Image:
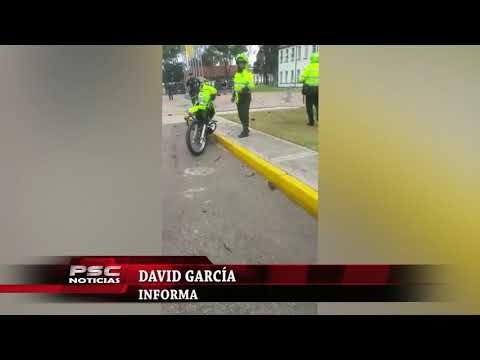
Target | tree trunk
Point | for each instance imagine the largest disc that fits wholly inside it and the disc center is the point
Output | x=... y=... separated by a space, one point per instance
x=226 y=70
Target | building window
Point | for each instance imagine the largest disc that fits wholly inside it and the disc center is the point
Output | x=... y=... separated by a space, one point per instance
x=298 y=75
x=286 y=76
x=291 y=76
x=314 y=47
x=305 y=52
x=292 y=55
x=299 y=52
x=281 y=77
x=281 y=56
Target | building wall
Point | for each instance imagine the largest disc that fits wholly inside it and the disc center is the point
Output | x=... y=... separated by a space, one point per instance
x=218 y=72
x=291 y=62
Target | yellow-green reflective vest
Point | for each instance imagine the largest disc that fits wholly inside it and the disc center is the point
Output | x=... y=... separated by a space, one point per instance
x=243 y=79
x=311 y=73
x=204 y=98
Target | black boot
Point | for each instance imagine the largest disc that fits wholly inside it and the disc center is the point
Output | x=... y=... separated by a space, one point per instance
x=244 y=133
x=311 y=122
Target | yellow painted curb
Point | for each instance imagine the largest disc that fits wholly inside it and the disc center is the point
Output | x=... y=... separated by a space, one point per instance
x=295 y=190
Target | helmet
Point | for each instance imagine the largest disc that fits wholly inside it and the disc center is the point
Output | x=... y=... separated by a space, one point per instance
x=242 y=58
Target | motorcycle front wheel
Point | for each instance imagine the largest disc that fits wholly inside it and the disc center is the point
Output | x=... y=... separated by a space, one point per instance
x=212 y=127
x=196 y=137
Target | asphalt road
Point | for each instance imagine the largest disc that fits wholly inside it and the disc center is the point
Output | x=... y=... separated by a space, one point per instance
x=218 y=207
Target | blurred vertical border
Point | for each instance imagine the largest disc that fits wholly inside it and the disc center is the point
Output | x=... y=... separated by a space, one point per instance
x=399 y=168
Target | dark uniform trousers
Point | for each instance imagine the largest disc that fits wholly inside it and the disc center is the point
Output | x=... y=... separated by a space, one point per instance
x=311 y=101
x=193 y=89
x=243 y=108
x=193 y=97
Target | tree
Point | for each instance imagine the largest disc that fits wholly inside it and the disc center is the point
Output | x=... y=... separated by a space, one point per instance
x=259 y=64
x=267 y=62
x=172 y=72
x=222 y=55
x=271 y=55
x=171 y=52
x=172 y=69
x=210 y=56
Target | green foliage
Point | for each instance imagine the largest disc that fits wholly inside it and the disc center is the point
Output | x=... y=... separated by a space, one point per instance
x=172 y=69
x=211 y=56
x=222 y=54
x=267 y=61
x=171 y=52
x=173 y=72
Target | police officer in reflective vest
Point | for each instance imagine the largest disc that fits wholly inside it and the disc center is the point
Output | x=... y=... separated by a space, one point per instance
x=243 y=84
x=310 y=80
x=203 y=106
x=193 y=86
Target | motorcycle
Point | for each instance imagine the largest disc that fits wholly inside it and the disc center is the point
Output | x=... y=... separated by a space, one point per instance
x=198 y=129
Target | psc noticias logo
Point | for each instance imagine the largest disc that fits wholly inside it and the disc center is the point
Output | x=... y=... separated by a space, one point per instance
x=94 y=274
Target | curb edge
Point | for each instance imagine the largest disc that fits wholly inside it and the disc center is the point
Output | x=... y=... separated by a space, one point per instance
x=297 y=191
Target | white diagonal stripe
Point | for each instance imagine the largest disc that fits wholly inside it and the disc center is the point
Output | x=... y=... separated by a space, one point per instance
x=294 y=156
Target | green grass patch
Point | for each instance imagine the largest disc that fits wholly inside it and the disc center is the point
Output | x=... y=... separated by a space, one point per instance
x=290 y=125
x=270 y=88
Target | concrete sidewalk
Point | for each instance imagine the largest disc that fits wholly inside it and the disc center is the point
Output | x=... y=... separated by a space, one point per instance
x=260 y=101
x=296 y=160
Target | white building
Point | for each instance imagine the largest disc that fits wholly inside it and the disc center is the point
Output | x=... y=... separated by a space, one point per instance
x=292 y=59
